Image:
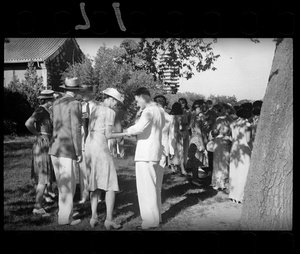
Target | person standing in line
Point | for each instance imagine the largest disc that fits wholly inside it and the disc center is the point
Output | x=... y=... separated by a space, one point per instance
x=98 y=158
x=176 y=161
x=240 y=154
x=66 y=148
x=40 y=125
x=168 y=149
x=148 y=153
x=185 y=123
x=88 y=105
x=221 y=159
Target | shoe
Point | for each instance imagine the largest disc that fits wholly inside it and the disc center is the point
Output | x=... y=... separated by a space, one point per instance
x=52 y=194
x=196 y=183
x=75 y=214
x=111 y=224
x=71 y=223
x=200 y=170
x=141 y=228
x=82 y=201
x=48 y=199
x=40 y=211
x=93 y=222
x=75 y=222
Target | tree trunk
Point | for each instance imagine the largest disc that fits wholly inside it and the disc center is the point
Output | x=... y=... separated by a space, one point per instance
x=268 y=199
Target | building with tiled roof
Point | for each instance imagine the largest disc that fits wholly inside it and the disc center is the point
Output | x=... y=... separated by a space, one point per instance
x=51 y=57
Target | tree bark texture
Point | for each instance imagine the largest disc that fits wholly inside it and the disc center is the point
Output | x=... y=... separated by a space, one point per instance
x=268 y=198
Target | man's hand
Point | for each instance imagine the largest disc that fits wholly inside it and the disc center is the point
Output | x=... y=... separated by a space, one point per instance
x=79 y=158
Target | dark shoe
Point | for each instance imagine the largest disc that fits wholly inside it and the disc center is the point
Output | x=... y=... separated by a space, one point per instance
x=140 y=228
x=196 y=183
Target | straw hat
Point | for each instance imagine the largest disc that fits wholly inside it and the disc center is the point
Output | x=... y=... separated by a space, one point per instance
x=114 y=93
x=72 y=83
x=46 y=94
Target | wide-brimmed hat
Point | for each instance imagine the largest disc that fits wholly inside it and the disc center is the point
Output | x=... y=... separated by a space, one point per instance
x=46 y=94
x=72 y=83
x=114 y=93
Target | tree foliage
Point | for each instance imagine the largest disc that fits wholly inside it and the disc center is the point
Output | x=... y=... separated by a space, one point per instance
x=20 y=99
x=83 y=70
x=186 y=54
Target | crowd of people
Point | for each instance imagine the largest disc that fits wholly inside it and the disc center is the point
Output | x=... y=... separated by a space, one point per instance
x=206 y=140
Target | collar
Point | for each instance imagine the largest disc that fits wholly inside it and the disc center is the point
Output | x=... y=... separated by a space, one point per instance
x=45 y=108
x=69 y=93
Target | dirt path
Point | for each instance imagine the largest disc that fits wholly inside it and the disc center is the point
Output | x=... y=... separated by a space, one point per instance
x=187 y=207
x=216 y=213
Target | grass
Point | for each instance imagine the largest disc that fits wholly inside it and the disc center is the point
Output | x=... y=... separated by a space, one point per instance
x=181 y=200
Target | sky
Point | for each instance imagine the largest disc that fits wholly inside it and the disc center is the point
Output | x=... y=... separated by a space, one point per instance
x=243 y=67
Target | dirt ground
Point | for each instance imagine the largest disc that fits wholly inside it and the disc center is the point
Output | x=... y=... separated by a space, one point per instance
x=197 y=208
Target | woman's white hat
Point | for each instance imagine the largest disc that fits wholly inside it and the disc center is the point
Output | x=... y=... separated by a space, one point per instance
x=114 y=93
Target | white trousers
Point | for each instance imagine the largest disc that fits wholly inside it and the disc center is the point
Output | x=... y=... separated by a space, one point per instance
x=64 y=169
x=160 y=175
x=146 y=180
x=83 y=178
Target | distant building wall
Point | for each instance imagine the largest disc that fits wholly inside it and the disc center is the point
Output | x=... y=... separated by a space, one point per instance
x=18 y=70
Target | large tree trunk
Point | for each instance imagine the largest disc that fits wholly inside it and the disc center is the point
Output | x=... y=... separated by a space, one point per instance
x=268 y=199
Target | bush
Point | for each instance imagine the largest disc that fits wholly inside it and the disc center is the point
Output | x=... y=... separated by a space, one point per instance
x=17 y=111
x=20 y=100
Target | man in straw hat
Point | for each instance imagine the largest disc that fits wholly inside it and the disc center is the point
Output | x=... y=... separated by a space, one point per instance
x=148 y=153
x=65 y=149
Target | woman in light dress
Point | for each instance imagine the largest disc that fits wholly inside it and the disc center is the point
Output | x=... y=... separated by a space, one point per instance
x=99 y=161
x=221 y=149
x=177 y=160
x=239 y=155
x=40 y=125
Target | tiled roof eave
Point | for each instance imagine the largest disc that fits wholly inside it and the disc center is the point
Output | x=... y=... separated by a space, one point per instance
x=24 y=60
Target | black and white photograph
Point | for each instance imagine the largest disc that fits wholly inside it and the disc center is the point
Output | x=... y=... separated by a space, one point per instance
x=148 y=134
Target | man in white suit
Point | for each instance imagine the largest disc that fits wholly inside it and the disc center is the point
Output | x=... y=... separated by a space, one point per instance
x=148 y=153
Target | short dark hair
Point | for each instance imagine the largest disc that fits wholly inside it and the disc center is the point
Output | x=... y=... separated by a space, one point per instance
x=243 y=112
x=209 y=102
x=197 y=102
x=176 y=109
x=44 y=100
x=185 y=101
x=162 y=100
x=142 y=91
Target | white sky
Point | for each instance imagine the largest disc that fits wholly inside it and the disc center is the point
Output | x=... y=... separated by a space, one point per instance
x=242 y=69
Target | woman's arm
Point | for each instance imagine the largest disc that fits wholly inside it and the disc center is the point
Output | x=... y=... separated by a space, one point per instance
x=111 y=135
x=30 y=126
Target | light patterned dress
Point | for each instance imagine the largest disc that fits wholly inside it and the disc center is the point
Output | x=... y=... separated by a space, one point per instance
x=239 y=159
x=42 y=169
x=177 y=141
x=99 y=160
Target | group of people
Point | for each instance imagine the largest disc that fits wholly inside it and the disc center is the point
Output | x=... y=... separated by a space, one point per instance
x=73 y=135
x=215 y=140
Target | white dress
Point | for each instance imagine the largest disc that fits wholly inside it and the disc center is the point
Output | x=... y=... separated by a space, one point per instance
x=239 y=159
